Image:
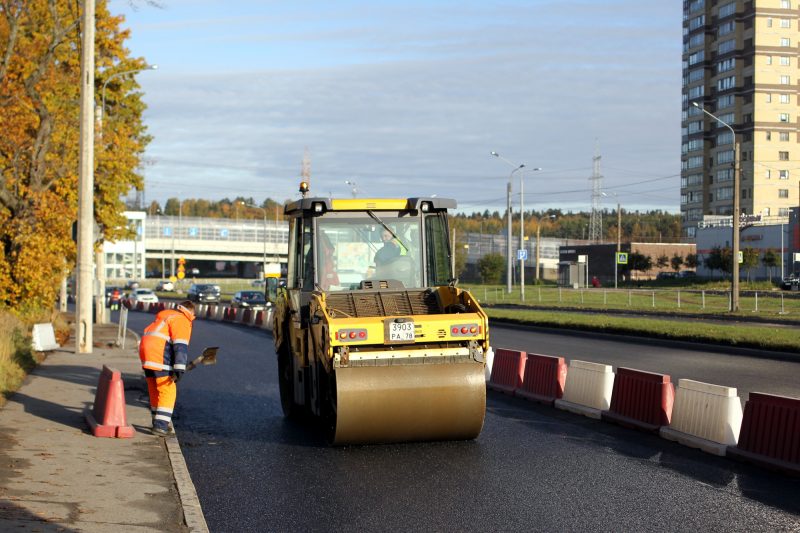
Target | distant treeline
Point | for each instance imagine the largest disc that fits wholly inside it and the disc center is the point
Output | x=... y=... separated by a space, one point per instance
x=637 y=226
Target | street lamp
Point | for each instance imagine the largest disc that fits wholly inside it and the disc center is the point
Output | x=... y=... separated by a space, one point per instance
x=734 y=215
x=353 y=187
x=538 y=241
x=522 y=234
x=264 y=211
x=619 y=237
x=105 y=84
x=508 y=237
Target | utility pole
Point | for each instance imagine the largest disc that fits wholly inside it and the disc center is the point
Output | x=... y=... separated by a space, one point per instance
x=596 y=220
x=84 y=340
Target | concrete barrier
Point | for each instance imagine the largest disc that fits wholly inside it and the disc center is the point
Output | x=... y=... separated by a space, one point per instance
x=587 y=390
x=770 y=434
x=543 y=379
x=640 y=400
x=705 y=416
x=507 y=370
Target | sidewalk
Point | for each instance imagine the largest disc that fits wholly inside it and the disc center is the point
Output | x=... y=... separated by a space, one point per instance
x=56 y=476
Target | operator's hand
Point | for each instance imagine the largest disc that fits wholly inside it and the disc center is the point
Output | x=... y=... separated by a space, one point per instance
x=176 y=375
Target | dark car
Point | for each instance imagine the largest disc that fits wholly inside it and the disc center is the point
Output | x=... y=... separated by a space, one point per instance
x=791 y=282
x=203 y=293
x=249 y=300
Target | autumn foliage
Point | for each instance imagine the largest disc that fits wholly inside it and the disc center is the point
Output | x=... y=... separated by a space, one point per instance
x=40 y=48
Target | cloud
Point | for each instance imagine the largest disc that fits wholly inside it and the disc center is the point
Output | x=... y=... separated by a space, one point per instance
x=414 y=106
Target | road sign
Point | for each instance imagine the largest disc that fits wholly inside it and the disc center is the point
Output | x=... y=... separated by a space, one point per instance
x=741 y=256
x=622 y=258
x=522 y=255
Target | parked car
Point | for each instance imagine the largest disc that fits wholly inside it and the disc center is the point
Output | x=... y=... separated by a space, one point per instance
x=249 y=300
x=143 y=295
x=131 y=284
x=691 y=274
x=165 y=285
x=667 y=275
x=791 y=282
x=203 y=293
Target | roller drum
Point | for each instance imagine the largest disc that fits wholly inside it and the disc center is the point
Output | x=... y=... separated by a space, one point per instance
x=409 y=402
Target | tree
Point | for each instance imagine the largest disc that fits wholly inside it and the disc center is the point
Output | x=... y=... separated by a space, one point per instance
x=691 y=261
x=491 y=267
x=676 y=262
x=662 y=261
x=639 y=262
x=750 y=259
x=39 y=110
x=770 y=260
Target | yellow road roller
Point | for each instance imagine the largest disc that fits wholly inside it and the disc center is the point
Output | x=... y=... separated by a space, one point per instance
x=373 y=336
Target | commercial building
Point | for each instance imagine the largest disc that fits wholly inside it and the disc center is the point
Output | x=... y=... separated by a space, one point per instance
x=740 y=63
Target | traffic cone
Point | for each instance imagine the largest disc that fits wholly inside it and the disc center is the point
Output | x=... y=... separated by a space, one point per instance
x=107 y=418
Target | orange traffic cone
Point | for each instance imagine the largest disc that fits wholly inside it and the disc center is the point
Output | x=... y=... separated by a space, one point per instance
x=107 y=418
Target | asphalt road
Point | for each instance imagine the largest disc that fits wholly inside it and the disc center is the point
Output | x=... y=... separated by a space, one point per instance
x=533 y=468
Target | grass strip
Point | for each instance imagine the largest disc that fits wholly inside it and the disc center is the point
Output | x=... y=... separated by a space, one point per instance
x=748 y=336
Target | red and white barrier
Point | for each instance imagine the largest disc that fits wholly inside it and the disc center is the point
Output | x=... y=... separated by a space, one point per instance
x=507 y=371
x=641 y=400
x=543 y=379
x=770 y=434
x=705 y=416
x=587 y=390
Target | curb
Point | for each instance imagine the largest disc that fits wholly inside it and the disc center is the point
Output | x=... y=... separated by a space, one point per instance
x=192 y=511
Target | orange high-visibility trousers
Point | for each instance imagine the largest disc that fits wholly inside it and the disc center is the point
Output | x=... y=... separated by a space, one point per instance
x=163 y=393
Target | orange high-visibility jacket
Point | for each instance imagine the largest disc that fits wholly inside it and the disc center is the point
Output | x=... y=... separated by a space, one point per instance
x=165 y=344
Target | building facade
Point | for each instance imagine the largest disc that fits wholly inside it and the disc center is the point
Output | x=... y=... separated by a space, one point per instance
x=740 y=63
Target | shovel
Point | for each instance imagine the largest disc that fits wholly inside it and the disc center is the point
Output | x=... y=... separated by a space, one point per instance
x=208 y=357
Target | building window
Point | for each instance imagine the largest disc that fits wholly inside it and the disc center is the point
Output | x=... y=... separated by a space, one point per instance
x=785 y=23
x=727 y=10
x=726 y=28
x=767 y=174
x=726 y=137
x=783 y=156
x=785 y=80
x=765 y=211
x=786 y=61
x=785 y=98
x=724 y=193
x=784 y=136
x=697 y=57
x=785 y=41
x=697 y=22
x=768 y=135
x=783 y=211
x=783 y=193
x=769 y=60
x=786 y=4
x=726 y=64
x=726 y=83
x=769 y=22
x=724 y=47
x=784 y=174
x=697 y=92
x=724 y=157
x=725 y=174
x=691 y=232
x=768 y=98
x=723 y=101
x=784 y=117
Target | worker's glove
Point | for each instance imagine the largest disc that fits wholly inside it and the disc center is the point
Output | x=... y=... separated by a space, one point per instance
x=176 y=375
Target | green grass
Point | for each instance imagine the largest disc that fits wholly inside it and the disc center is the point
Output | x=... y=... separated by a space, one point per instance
x=751 y=336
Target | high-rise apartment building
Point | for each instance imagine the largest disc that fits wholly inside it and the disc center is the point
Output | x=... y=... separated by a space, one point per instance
x=740 y=63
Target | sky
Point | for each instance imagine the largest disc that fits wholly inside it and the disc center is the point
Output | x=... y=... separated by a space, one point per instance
x=410 y=98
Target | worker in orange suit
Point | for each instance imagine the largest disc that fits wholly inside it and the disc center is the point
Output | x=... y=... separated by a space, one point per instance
x=164 y=351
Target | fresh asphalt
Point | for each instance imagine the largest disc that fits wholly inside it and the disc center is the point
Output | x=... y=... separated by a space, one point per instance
x=533 y=467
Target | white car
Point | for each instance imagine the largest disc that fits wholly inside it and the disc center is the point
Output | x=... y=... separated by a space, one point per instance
x=165 y=286
x=144 y=296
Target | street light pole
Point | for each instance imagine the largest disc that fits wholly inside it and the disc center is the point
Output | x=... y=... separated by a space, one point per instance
x=734 y=216
x=509 y=260
x=522 y=232
x=113 y=76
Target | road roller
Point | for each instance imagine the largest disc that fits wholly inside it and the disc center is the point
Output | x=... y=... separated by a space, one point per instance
x=374 y=339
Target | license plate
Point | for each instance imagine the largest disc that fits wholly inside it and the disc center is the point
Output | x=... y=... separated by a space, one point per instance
x=400 y=331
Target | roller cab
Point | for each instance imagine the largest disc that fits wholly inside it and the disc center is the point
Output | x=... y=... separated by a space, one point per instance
x=372 y=334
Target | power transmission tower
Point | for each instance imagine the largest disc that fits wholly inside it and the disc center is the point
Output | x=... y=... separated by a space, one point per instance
x=596 y=220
